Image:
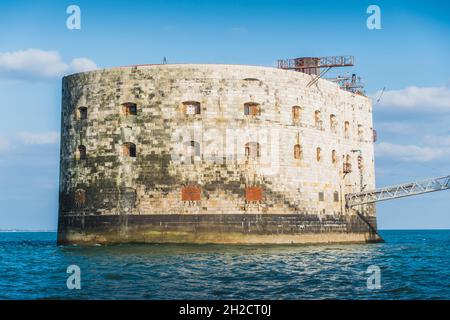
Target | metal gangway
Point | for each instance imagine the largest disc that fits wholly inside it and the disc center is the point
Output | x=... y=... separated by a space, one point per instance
x=398 y=191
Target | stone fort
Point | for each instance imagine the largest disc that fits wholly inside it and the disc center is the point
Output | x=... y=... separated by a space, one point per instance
x=199 y=153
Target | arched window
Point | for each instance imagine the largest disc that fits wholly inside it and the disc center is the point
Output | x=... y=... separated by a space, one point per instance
x=252 y=150
x=334 y=157
x=360 y=131
x=296 y=113
x=82 y=113
x=333 y=123
x=192 y=148
x=191 y=108
x=346 y=129
x=318 y=154
x=317 y=119
x=252 y=109
x=80 y=197
x=298 y=152
x=347 y=164
x=129 y=109
x=81 y=153
x=129 y=149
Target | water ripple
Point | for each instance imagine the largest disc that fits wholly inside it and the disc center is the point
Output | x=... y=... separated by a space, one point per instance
x=414 y=265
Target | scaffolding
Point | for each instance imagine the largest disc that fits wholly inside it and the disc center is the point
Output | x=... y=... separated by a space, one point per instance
x=319 y=66
x=352 y=84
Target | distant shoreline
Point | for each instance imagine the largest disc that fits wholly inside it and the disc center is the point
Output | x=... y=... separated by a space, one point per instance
x=20 y=230
x=55 y=231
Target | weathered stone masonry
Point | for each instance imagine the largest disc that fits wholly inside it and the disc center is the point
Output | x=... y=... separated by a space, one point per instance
x=126 y=176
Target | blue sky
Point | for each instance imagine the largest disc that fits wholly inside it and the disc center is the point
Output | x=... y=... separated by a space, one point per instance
x=410 y=56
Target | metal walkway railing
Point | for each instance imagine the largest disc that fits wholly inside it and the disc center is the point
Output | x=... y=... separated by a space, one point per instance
x=398 y=191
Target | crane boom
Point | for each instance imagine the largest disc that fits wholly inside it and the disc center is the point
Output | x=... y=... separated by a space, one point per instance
x=398 y=191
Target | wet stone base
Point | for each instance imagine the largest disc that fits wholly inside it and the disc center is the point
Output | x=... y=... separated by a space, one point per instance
x=213 y=228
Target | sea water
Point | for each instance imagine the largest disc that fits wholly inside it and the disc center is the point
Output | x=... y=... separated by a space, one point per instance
x=412 y=264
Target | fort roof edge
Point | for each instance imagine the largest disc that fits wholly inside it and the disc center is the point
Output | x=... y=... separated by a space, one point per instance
x=218 y=65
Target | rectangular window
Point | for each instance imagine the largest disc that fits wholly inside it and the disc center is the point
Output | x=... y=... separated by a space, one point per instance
x=191 y=108
x=252 y=109
x=336 y=197
x=321 y=196
x=129 y=109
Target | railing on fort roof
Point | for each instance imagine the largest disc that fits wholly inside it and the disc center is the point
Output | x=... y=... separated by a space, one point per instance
x=313 y=62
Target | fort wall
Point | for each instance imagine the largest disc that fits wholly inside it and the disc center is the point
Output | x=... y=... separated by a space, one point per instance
x=212 y=153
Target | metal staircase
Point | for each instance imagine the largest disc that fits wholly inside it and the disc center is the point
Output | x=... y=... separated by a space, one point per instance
x=398 y=191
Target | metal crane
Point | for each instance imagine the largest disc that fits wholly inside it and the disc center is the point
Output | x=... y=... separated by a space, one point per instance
x=398 y=191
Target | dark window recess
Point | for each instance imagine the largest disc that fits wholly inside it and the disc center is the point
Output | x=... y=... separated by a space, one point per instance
x=296 y=113
x=346 y=129
x=318 y=119
x=347 y=164
x=333 y=123
x=334 y=157
x=297 y=152
x=375 y=135
x=129 y=149
x=80 y=197
x=321 y=196
x=318 y=154
x=82 y=113
x=336 y=196
x=252 y=109
x=82 y=152
x=129 y=109
x=360 y=131
x=191 y=107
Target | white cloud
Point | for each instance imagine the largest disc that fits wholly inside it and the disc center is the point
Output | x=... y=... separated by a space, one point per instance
x=39 y=138
x=81 y=65
x=410 y=153
x=396 y=127
x=416 y=98
x=435 y=140
x=40 y=64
